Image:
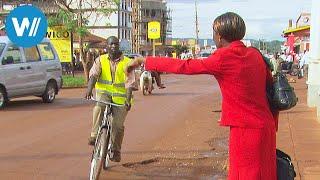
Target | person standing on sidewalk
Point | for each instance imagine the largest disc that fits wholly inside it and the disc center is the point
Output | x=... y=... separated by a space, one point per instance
x=304 y=64
x=112 y=85
x=242 y=75
x=276 y=63
x=289 y=61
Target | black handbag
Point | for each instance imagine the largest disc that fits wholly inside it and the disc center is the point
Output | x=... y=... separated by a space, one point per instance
x=281 y=95
x=285 y=168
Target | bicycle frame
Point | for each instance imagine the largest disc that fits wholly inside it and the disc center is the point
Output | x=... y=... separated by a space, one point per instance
x=100 y=154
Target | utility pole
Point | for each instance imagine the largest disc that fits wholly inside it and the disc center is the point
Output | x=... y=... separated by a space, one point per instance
x=197 y=24
x=136 y=23
x=314 y=59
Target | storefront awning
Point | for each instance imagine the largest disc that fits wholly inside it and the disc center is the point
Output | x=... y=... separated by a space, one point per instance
x=296 y=29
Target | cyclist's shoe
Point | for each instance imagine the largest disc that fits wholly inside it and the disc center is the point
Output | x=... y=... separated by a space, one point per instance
x=135 y=88
x=115 y=156
x=161 y=86
x=92 y=140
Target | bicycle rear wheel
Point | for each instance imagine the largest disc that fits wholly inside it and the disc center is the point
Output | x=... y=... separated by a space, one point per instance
x=98 y=155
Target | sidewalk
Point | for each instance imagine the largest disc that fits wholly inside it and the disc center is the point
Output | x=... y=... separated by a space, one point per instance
x=299 y=135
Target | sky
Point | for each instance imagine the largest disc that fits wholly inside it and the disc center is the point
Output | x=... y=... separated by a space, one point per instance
x=265 y=19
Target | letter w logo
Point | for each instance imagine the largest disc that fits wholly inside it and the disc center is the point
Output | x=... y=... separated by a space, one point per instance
x=20 y=29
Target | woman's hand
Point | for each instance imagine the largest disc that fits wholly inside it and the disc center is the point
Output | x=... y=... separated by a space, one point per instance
x=134 y=64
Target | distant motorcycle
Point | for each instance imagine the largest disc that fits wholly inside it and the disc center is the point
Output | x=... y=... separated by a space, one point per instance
x=146 y=82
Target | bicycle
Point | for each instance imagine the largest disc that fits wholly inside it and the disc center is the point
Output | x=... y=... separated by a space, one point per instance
x=102 y=148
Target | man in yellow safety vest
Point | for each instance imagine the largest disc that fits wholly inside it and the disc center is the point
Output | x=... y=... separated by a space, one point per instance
x=112 y=85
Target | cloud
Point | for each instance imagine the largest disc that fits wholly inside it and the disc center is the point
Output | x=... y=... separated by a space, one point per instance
x=191 y=1
x=264 y=19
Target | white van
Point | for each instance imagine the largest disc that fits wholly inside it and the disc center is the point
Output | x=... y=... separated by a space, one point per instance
x=29 y=71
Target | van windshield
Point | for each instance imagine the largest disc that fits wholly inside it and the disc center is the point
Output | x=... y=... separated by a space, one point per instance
x=2 y=45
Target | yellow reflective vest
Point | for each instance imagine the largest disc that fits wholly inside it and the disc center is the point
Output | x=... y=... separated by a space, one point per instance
x=105 y=85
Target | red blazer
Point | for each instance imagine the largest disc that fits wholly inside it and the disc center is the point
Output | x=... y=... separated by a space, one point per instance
x=242 y=75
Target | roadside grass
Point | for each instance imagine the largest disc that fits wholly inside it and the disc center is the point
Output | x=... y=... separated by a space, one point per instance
x=76 y=81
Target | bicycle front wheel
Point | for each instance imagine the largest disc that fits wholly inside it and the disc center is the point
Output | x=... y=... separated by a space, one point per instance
x=98 y=155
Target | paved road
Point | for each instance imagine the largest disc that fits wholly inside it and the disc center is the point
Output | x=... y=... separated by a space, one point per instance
x=170 y=134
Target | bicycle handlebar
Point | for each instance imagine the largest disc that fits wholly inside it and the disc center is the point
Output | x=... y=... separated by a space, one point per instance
x=107 y=103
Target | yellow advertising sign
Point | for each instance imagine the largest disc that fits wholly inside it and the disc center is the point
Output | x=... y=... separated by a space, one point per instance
x=61 y=40
x=174 y=42
x=154 y=30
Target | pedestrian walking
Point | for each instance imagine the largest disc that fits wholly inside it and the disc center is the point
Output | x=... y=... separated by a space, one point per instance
x=304 y=64
x=242 y=75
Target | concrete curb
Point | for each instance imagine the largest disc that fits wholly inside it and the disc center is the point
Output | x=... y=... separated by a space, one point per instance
x=80 y=87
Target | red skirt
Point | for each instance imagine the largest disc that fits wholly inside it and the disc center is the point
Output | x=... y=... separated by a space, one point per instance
x=252 y=154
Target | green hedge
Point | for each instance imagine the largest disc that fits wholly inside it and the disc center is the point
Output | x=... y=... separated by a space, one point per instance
x=77 y=81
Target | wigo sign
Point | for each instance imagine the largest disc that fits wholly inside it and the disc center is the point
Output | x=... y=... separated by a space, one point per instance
x=26 y=26
x=58 y=34
x=62 y=42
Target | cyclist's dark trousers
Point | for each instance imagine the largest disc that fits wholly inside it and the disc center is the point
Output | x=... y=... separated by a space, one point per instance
x=157 y=77
x=119 y=116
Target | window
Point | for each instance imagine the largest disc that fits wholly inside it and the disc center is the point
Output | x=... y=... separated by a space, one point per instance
x=153 y=13
x=31 y=54
x=12 y=55
x=147 y=13
x=46 y=51
x=125 y=20
x=122 y=19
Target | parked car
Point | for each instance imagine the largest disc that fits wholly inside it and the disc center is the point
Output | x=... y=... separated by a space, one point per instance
x=204 y=55
x=29 y=71
x=132 y=56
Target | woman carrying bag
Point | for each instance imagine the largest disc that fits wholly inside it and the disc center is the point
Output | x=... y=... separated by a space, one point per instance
x=242 y=75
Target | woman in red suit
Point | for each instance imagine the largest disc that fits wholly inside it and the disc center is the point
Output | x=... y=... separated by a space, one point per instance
x=242 y=76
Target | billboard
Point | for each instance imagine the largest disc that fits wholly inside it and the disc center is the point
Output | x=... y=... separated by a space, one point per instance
x=154 y=30
x=61 y=40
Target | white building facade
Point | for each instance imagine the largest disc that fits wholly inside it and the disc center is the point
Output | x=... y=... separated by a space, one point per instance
x=117 y=24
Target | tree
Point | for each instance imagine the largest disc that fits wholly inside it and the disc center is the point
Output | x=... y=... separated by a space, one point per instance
x=180 y=48
x=268 y=46
x=74 y=17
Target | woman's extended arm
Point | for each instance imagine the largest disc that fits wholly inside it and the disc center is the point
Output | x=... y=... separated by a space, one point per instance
x=211 y=65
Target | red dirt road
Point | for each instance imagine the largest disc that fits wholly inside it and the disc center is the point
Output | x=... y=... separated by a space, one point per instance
x=172 y=134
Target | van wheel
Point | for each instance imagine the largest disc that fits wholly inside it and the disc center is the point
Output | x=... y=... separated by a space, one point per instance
x=50 y=93
x=3 y=98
